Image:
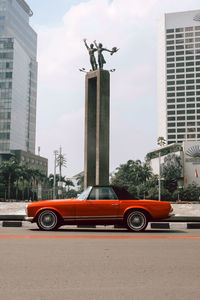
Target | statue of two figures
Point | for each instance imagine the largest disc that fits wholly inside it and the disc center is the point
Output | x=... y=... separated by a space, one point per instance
x=99 y=48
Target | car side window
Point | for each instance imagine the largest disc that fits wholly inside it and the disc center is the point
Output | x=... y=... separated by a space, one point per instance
x=102 y=193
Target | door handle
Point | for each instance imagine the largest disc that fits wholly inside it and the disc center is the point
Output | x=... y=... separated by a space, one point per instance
x=115 y=204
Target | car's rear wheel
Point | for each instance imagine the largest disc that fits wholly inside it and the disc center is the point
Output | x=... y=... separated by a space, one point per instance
x=48 y=220
x=136 y=221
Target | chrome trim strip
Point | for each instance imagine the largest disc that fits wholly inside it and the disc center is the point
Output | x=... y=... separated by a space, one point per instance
x=93 y=218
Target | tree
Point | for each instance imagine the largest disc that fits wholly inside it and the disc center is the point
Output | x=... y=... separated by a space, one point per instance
x=131 y=175
x=190 y=193
x=171 y=171
x=8 y=172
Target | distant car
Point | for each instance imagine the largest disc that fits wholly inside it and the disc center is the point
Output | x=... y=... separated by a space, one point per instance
x=98 y=205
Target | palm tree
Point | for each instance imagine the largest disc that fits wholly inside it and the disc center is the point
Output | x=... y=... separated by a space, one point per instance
x=68 y=183
x=8 y=172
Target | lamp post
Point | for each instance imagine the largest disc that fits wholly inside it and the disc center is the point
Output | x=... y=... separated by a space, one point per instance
x=54 y=179
x=161 y=142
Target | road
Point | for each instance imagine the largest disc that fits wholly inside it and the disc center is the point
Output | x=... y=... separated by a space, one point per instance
x=99 y=264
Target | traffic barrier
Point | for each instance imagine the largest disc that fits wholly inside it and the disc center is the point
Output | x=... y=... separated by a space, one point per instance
x=11 y=224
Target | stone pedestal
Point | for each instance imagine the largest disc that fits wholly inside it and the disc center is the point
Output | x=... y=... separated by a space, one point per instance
x=97 y=120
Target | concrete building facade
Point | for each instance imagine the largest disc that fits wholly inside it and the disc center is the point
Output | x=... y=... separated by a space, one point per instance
x=179 y=77
x=189 y=153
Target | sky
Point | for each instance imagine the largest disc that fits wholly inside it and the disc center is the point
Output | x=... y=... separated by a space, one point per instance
x=130 y=25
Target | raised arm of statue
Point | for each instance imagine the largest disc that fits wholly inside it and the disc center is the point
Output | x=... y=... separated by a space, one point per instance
x=95 y=44
x=85 y=44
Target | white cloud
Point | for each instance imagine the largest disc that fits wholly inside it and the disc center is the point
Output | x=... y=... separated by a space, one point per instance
x=130 y=25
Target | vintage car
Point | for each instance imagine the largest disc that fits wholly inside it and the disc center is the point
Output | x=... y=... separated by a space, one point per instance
x=98 y=205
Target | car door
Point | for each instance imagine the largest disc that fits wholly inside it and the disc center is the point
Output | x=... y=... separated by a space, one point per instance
x=101 y=204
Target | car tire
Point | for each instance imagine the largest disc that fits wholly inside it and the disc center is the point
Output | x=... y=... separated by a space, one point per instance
x=136 y=220
x=48 y=220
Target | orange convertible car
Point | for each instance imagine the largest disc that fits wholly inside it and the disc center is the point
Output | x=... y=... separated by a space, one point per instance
x=98 y=205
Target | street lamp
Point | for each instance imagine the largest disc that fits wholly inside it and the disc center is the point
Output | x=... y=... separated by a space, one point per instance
x=161 y=142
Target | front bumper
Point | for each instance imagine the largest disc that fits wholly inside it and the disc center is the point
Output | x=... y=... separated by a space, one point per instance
x=29 y=219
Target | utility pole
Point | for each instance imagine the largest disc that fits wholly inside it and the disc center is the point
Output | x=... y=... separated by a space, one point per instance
x=54 y=179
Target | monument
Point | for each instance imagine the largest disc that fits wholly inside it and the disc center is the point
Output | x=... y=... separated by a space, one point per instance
x=97 y=118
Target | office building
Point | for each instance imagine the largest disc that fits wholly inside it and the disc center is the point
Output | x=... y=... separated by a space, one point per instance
x=18 y=78
x=179 y=77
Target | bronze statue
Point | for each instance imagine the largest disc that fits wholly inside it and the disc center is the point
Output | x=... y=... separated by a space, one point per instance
x=91 y=51
x=100 y=49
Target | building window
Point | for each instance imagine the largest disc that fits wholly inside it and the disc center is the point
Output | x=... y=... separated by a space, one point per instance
x=170 y=106
x=181 y=118
x=180 y=70
x=181 y=124
x=180 y=112
x=171 y=136
x=180 y=136
x=191 y=136
x=170 y=100
x=170 y=88
x=180 y=64
x=190 y=87
x=171 y=119
x=179 y=29
x=170 y=30
x=191 y=130
x=171 y=130
x=190 y=123
x=170 y=77
x=180 y=94
x=170 y=36
x=171 y=112
x=190 y=63
x=181 y=106
x=181 y=130
x=170 y=53
x=180 y=82
x=189 y=81
x=171 y=124
x=170 y=48
x=170 y=65
x=180 y=88
x=190 y=93
x=170 y=71
x=190 y=76
x=191 y=105
x=179 y=58
x=170 y=94
x=181 y=100
x=179 y=76
x=171 y=83
x=191 y=111
x=191 y=117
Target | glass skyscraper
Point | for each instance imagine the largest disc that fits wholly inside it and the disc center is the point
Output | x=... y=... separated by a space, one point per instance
x=18 y=77
x=179 y=77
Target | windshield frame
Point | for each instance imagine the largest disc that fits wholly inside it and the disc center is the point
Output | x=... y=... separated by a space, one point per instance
x=84 y=195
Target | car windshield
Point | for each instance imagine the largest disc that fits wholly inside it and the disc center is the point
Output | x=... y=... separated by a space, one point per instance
x=84 y=194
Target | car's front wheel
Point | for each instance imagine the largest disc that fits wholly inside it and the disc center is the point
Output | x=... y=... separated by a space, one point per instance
x=136 y=221
x=48 y=220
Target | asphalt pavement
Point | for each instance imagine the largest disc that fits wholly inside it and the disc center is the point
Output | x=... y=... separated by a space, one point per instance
x=101 y=263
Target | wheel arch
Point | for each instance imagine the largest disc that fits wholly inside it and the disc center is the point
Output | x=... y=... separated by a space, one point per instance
x=47 y=208
x=145 y=211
